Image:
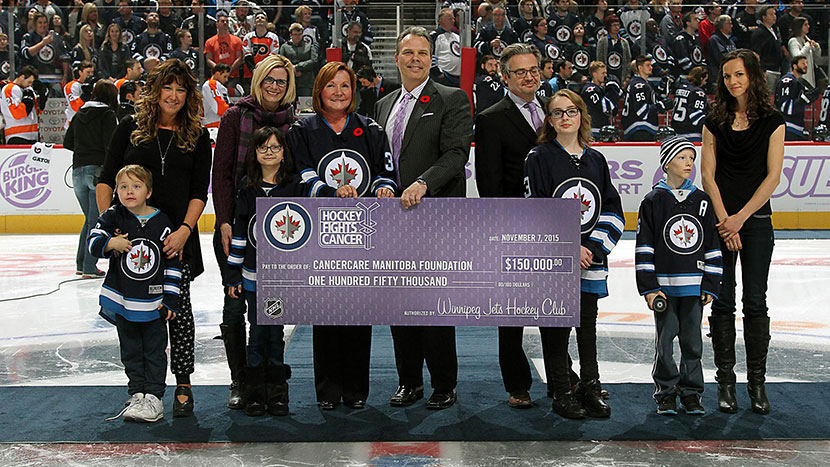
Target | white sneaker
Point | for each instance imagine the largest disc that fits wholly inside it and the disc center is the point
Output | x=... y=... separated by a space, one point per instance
x=151 y=409
x=130 y=407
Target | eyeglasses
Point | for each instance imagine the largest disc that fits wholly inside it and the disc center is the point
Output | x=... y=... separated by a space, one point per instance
x=523 y=72
x=267 y=81
x=558 y=113
x=274 y=149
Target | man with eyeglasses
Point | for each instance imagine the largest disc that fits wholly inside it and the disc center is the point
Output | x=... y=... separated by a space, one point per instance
x=504 y=134
x=494 y=38
x=640 y=108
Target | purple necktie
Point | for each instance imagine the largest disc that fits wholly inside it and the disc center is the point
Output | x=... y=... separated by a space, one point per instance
x=397 y=132
x=534 y=116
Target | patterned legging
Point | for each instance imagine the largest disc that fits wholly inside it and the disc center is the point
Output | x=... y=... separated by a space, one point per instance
x=183 y=331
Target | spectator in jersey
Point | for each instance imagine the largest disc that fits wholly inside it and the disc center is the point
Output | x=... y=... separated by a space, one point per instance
x=657 y=46
x=303 y=16
x=548 y=75
x=707 y=24
x=801 y=45
x=47 y=8
x=494 y=38
x=485 y=17
x=153 y=42
x=85 y=49
x=45 y=50
x=89 y=16
x=766 y=42
x=446 y=67
x=185 y=52
x=595 y=22
x=56 y=25
x=131 y=25
x=563 y=69
x=304 y=56
x=5 y=64
x=640 y=109
x=487 y=88
x=224 y=48
x=634 y=16
x=169 y=18
x=89 y=149
x=215 y=96
x=579 y=52
x=271 y=103
x=687 y=45
x=690 y=105
x=601 y=96
x=350 y=13
x=373 y=88
x=258 y=44
x=356 y=54
x=745 y=23
x=671 y=24
x=614 y=50
x=540 y=39
x=791 y=98
x=720 y=43
x=127 y=95
x=113 y=55
x=561 y=23
x=191 y=23
x=521 y=24
x=242 y=21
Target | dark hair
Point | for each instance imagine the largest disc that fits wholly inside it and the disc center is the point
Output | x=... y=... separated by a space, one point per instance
x=758 y=105
x=367 y=72
x=545 y=61
x=220 y=67
x=640 y=61
x=27 y=71
x=710 y=7
x=697 y=75
x=797 y=26
x=127 y=87
x=253 y=169
x=106 y=92
x=535 y=22
x=796 y=59
x=559 y=64
x=129 y=63
x=763 y=11
x=85 y=64
x=687 y=18
x=482 y=60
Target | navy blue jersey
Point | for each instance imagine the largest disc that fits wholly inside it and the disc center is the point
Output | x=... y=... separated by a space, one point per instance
x=640 y=107
x=486 y=92
x=662 y=59
x=791 y=101
x=601 y=103
x=482 y=43
x=690 y=109
x=131 y=28
x=242 y=257
x=359 y=156
x=189 y=57
x=824 y=114
x=148 y=45
x=581 y=56
x=548 y=47
x=142 y=279
x=561 y=28
x=551 y=172
x=678 y=251
x=594 y=30
x=688 y=52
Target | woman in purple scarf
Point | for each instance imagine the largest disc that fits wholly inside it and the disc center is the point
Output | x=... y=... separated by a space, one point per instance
x=271 y=103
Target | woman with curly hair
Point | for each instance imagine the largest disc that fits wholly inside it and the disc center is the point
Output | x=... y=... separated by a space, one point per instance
x=742 y=157
x=166 y=136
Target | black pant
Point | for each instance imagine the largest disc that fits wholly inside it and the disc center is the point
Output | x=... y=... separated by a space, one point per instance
x=19 y=140
x=143 y=354
x=681 y=320
x=233 y=309
x=586 y=340
x=433 y=344
x=515 y=369
x=341 y=362
x=756 y=254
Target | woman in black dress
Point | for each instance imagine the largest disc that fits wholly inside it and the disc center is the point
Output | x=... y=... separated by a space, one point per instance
x=166 y=136
x=742 y=157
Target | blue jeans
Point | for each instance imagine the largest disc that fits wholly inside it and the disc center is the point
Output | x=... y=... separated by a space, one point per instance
x=83 y=180
x=265 y=344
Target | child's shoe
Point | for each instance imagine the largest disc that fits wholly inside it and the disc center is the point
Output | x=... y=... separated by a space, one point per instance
x=590 y=394
x=667 y=404
x=130 y=408
x=151 y=409
x=691 y=404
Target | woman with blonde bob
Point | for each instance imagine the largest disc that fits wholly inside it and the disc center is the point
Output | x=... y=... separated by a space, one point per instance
x=321 y=144
x=271 y=103
x=565 y=166
x=167 y=138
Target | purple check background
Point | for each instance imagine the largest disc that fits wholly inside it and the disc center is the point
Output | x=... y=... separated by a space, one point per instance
x=438 y=229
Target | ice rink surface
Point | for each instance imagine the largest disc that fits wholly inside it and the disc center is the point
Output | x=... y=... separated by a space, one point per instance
x=58 y=339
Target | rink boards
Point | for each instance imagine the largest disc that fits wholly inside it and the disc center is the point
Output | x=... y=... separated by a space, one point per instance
x=34 y=200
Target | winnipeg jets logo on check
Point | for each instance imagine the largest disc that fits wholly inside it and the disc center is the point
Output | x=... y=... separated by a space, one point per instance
x=587 y=193
x=141 y=262
x=345 y=167
x=287 y=226
x=682 y=234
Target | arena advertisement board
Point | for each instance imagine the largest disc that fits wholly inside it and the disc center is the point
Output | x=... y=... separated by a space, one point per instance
x=801 y=200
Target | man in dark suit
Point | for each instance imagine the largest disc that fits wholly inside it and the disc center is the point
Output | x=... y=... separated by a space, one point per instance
x=430 y=130
x=504 y=134
x=373 y=88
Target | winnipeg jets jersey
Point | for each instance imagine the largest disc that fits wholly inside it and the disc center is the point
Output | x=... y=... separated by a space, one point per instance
x=640 y=108
x=551 y=172
x=689 y=111
x=678 y=250
x=791 y=101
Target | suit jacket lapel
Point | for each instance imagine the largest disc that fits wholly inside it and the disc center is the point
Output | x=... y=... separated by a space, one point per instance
x=515 y=116
x=420 y=106
x=386 y=109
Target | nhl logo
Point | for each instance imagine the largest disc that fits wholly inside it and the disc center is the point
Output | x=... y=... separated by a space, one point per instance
x=345 y=167
x=142 y=261
x=552 y=51
x=272 y=307
x=287 y=226
x=683 y=234
x=587 y=193
x=614 y=60
x=563 y=34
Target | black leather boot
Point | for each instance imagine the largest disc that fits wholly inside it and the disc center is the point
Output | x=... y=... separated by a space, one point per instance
x=233 y=335
x=722 y=332
x=276 y=389
x=590 y=393
x=756 y=337
x=253 y=391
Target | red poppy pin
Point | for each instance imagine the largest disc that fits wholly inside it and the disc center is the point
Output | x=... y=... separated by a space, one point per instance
x=358 y=131
x=424 y=99
x=381 y=89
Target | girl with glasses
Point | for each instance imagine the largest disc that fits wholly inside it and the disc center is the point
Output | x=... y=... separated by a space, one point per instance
x=565 y=166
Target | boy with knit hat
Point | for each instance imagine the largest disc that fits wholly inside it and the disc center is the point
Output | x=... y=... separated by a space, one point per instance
x=678 y=258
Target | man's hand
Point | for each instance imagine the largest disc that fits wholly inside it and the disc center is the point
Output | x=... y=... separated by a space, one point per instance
x=235 y=291
x=706 y=299
x=170 y=315
x=412 y=195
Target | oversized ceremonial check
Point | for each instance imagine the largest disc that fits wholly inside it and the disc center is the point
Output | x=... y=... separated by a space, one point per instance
x=445 y=262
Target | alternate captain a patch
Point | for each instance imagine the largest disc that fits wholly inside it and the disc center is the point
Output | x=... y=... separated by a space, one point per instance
x=683 y=234
x=345 y=167
x=589 y=198
x=142 y=261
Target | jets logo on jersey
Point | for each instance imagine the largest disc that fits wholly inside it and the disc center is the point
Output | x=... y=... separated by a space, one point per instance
x=190 y=62
x=345 y=29
x=128 y=36
x=152 y=51
x=639 y=85
x=635 y=27
x=252 y=231
x=527 y=35
x=601 y=33
x=5 y=67
x=587 y=193
x=683 y=234
x=308 y=38
x=581 y=59
x=552 y=51
x=660 y=53
x=455 y=48
x=497 y=50
x=287 y=226
x=614 y=60
x=345 y=167
x=142 y=261
x=697 y=54
x=563 y=33
x=46 y=54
